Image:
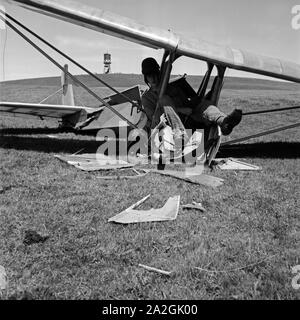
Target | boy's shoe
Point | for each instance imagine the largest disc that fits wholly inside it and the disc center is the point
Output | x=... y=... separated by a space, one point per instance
x=232 y=120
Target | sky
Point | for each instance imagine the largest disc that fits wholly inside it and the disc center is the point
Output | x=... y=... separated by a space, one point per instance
x=263 y=27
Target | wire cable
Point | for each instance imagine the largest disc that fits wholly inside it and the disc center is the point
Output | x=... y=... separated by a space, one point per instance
x=70 y=59
x=51 y=95
x=4 y=51
x=68 y=73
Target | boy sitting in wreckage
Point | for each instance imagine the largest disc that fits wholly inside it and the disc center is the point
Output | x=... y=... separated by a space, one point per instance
x=193 y=113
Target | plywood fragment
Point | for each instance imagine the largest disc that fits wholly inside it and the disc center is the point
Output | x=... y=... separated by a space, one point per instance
x=168 y=212
x=235 y=164
x=118 y=177
x=194 y=205
x=94 y=161
x=202 y=179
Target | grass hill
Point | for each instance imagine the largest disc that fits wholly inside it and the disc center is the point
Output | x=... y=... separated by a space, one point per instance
x=128 y=80
x=242 y=247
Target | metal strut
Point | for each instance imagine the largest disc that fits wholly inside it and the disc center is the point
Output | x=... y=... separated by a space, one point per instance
x=260 y=134
x=264 y=133
x=270 y=110
x=67 y=72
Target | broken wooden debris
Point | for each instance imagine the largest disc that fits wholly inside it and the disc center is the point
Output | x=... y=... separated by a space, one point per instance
x=167 y=273
x=202 y=179
x=168 y=212
x=3 y=278
x=234 y=164
x=194 y=205
x=167 y=146
x=207 y=180
x=94 y=161
x=118 y=177
x=194 y=170
x=196 y=140
x=213 y=143
x=169 y=150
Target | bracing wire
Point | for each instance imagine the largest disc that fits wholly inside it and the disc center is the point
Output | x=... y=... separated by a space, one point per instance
x=51 y=95
x=4 y=51
x=68 y=73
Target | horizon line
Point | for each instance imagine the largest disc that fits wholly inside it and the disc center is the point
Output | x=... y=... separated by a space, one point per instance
x=138 y=74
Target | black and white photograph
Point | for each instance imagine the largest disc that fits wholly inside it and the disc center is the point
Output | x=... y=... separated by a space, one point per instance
x=149 y=153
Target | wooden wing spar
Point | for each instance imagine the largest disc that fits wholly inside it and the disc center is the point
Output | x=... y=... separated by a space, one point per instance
x=125 y=28
x=79 y=116
x=44 y=110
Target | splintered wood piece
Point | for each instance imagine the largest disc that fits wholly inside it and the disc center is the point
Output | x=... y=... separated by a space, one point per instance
x=194 y=205
x=93 y=162
x=235 y=164
x=202 y=179
x=167 y=273
x=119 y=177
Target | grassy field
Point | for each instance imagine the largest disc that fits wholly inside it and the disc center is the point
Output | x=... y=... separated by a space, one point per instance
x=245 y=243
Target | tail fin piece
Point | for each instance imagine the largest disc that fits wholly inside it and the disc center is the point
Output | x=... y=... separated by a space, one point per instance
x=67 y=94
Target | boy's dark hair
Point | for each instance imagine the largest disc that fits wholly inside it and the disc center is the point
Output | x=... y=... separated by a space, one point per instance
x=150 y=66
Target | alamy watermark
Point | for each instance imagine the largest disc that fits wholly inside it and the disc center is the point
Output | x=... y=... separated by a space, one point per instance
x=164 y=145
x=295 y=22
x=296 y=278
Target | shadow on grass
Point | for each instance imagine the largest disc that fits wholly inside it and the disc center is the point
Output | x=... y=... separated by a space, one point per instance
x=276 y=149
x=29 y=131
x=47 y=144
x=284 y=150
